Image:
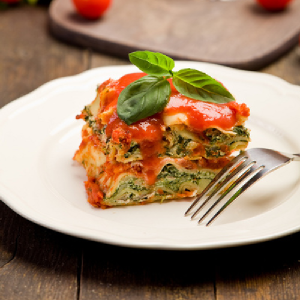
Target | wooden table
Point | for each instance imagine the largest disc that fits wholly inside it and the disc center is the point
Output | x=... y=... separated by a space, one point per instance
x=37 y=263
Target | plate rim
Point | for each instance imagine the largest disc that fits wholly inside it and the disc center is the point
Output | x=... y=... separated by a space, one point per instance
x=5 y=193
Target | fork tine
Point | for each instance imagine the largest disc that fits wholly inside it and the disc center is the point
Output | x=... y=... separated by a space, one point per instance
x=244 y=182
x=222 y=174
x=238 y=171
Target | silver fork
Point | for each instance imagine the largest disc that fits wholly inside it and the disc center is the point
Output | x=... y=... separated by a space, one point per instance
x=237 y=176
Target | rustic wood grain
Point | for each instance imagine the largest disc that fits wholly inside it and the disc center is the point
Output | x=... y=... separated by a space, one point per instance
x=110 y=273
x=44 y=266
x=234 y=33
x=102 y=60
x=267 y=271
x=9 y=232
x=37 y=263
x=287 y=67
x=30 y=57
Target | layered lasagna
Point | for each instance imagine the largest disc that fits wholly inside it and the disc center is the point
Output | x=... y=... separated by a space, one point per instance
x=171 y=155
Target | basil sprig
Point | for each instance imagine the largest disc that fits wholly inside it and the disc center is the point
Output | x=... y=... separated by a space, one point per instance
x=150 y=94
x=198 y=85
x=143 y=98
x=156 y=64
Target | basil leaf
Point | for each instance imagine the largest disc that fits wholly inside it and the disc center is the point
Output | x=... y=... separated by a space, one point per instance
x=156 y=64
x=143 y=98
x=200 y=86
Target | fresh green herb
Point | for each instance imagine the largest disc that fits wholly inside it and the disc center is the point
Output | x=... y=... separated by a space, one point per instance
x=150 y=94
x=156 y=64
x=143 y=98
x=198 y=85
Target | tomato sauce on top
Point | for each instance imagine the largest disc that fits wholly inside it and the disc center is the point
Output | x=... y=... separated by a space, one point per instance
x=201 y=115
x=148 y=132
x=148 y=129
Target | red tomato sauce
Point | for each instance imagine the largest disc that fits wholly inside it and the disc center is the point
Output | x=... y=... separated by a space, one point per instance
x=201 y=115
x=146 y=132
x=152 y=166
x=149 y=131
x=95 y=195
x=146 y=129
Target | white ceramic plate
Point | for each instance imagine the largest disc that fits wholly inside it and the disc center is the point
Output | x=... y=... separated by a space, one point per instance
x=39 y=180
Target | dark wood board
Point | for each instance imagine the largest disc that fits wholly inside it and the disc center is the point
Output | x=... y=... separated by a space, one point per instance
x=234 y=33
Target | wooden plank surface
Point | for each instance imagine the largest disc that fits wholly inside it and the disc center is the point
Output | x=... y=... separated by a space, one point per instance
x=109 y=272
x=265 y=271
x=9 y=232
x=38 y=263
x=233 y=33
x=29 y=57
x=43 y=266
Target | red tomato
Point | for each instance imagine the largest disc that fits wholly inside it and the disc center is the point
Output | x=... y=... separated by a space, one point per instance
x=274 y=4
x=91 y=9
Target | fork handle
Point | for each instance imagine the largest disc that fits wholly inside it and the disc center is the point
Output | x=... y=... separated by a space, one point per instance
x=296 y=157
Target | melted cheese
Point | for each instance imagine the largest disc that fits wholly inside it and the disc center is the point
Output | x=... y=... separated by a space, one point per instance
x=176 y=119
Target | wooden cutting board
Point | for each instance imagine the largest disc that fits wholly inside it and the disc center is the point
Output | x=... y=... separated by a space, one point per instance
x=234 y=33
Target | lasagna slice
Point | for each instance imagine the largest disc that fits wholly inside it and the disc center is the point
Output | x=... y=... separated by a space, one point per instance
x=173 y=154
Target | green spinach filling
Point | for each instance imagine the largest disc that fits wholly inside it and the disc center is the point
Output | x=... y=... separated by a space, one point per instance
x=169 y=182
x=172 y=178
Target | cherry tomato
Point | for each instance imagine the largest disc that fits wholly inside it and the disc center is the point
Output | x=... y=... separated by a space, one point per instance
x=274 y=4
x=91 y=9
